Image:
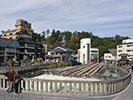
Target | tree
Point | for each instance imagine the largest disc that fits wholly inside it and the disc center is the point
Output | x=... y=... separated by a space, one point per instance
x=44 y=34
x=102 y=50
x=47 y=32
x=74 y=42
x=36 y=37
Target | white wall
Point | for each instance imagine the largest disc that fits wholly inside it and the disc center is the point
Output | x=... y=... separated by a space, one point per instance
x=127 y=41
x=126 y=47
x=85 y=45
x=109 y=57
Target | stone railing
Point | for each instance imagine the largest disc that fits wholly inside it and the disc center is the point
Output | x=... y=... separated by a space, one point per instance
x=22 y=68
x=63 y=87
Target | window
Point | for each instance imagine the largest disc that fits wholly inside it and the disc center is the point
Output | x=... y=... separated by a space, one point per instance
x=10 y=38
x=83 y=58
x=21 y=50
x=83 y=46
x=129 y=50
x=10 y=33
x=4 y=34
x=94 y=51
x=129 y=45
x=120 y=46
x=22 y=44
x=120 y=51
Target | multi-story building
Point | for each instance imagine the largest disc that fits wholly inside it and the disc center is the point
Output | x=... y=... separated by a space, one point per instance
x=8 y=50
x=84 y=51
x=126 y=48
x=28 y=49
x=86 y=54
x=20 y=26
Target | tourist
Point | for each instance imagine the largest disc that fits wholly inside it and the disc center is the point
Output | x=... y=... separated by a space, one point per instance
x=17 y=82
x=11 y=80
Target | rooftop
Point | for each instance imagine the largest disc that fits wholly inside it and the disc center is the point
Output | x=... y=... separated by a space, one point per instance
x=113 y=51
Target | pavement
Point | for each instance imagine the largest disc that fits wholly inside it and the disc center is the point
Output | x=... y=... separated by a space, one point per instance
x=127 y=94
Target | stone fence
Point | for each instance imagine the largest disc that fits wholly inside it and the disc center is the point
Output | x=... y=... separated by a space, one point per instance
x=61 y=87
x=20 y=68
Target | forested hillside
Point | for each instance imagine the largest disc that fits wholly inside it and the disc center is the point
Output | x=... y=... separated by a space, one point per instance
x=72 y=39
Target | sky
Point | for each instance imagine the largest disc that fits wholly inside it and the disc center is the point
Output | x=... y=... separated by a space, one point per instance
x=104 y=18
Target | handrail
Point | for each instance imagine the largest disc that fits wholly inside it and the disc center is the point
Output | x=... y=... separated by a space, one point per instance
x=72 y=87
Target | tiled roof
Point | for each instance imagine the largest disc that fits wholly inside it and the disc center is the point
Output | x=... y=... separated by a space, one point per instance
x=113 y=51
x=23 y=32
x=27 y=40
x=64 y=49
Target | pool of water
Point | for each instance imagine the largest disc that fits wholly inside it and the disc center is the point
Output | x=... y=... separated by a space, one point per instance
x=56 y=77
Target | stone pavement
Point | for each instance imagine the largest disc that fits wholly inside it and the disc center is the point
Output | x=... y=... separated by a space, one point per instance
x=24 y=96
x=127 y=95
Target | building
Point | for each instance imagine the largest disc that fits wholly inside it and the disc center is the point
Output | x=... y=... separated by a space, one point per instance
x=8 y=50
x=28 y=48
x=20 y=26
x=111 y=56
x=126 y=48
x=108 y=57
x=59 y=54
x=94 y=55
x=86 y=54
x=45 y=48
x=84 y=51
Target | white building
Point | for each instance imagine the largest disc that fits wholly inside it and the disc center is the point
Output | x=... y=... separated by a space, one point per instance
x=108 y=57
x=125 y=48
x=86 y=53
x=94 y=55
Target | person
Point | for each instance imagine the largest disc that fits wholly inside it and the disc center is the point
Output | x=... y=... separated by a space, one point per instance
x=129 y=67
x=17 y=82
x=11 y=80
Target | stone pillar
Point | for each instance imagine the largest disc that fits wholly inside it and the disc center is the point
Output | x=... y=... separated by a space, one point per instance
x=84 y=88
x=113 y=87
x=102 y=90
x=75 y=88
x=109 y=85
x=46 y=87
x=55 y=87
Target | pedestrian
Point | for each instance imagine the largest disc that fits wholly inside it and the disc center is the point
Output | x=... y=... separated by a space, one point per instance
x=17 y=82
x=129 y=67
x=11 y=80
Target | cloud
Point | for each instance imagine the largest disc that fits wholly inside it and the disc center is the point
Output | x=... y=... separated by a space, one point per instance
x=97 y=16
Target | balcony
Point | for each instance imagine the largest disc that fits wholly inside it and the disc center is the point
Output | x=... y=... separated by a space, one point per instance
x=27 y=47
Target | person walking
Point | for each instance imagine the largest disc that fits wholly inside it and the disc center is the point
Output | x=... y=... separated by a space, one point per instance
x=11 y=80
x=17 y=82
